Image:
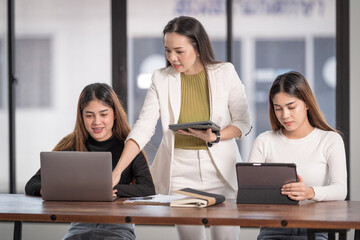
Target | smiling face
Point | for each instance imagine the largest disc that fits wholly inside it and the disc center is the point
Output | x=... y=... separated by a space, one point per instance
x=98 y=119
x=181 y=54
x=291 y=112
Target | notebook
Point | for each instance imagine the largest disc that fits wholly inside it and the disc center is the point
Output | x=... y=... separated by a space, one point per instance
x=76 y=176
x=196 y=198
x=260 y=183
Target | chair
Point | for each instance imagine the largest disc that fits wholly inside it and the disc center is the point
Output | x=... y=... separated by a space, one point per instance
x=331 y=233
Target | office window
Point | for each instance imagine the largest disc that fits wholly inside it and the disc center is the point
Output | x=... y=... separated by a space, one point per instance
x=280 y=36
x=276 y=57
x=146 y=49
x=325 y=76
x=148 y=55
x=270 y=37
x=3 y=90
x=33 y=67
x=33 y=72
x=4 y=103
x=62 y=46
x=273 y=57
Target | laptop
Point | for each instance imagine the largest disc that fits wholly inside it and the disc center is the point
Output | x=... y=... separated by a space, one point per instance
x=260 y=183
x=76 y=176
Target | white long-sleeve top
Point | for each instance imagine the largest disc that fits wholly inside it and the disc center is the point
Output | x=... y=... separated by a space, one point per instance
x=319 y=157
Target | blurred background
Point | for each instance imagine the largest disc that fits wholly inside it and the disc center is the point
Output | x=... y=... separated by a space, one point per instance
x=63 y=45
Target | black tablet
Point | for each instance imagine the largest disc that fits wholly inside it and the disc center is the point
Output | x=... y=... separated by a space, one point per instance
x=260 y=183
x=196 y=125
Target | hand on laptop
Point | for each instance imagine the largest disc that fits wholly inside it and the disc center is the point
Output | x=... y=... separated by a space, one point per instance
x=114 y=192
x=298 y=190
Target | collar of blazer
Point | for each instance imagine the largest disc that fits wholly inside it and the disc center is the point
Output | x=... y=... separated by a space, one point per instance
x=210 y=68
x=175 y=89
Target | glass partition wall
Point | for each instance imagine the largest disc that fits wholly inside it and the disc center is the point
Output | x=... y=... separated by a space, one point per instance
x=269 y=38
x=64 y=45
x=282 y=36
x=4 y=97
x=61 y=46
x=146 y=50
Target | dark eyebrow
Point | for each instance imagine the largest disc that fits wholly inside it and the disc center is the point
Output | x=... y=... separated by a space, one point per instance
x=177 y=48
x=105 y=110
x=285 y=104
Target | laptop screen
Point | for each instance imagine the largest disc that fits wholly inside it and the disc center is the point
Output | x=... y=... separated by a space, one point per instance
x=76 y=176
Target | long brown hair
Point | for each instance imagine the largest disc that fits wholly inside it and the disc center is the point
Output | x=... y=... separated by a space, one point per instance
x=194 y=30
x=76 y=141
x=295 y=84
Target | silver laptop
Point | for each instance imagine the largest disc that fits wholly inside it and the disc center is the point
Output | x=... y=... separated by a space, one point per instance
x=76 y=176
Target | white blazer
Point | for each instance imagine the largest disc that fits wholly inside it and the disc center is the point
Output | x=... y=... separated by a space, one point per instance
x=228 y=105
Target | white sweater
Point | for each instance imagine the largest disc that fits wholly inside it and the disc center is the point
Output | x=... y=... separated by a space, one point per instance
x=319 y=157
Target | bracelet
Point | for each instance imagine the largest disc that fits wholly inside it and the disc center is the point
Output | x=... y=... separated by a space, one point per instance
x=217 y=133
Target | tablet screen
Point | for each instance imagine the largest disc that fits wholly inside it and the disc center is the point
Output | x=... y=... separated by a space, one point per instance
x=265 y=174
x=260 y=183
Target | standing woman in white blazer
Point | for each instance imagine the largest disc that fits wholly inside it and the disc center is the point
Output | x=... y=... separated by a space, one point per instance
x=193 y=87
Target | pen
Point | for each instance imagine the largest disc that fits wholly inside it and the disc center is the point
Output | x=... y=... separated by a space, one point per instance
x=141 y=198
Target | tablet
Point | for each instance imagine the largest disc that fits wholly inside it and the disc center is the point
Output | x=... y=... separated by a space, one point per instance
x=260 y=183
x=196 y=125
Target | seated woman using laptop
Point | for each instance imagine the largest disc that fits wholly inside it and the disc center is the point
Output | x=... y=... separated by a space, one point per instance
x=302 y=136
x=101 y=125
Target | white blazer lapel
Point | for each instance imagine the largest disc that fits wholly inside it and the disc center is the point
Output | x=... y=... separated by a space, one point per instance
x=174 y=94
x=212 y=90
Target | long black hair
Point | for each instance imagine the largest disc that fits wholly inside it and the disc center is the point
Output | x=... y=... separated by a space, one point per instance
x=194 y=30
x=76 y=140
x=294 y=84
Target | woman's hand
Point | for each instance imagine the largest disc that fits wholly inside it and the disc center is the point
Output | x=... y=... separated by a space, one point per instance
x=206 y=135
x=131 y=149
x=114 y=192
x=298 y=190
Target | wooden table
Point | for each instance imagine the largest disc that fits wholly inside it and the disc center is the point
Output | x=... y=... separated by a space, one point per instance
x=315 y=215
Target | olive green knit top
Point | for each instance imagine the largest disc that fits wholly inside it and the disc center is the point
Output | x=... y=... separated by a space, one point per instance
x=195 y=106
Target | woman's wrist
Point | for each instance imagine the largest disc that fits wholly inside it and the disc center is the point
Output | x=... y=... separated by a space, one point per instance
x=117 y=170
x=311 y=194
x=213 y=137
x=216 y=140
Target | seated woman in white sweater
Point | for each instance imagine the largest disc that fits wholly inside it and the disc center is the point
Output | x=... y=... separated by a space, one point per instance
x=301 y=135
